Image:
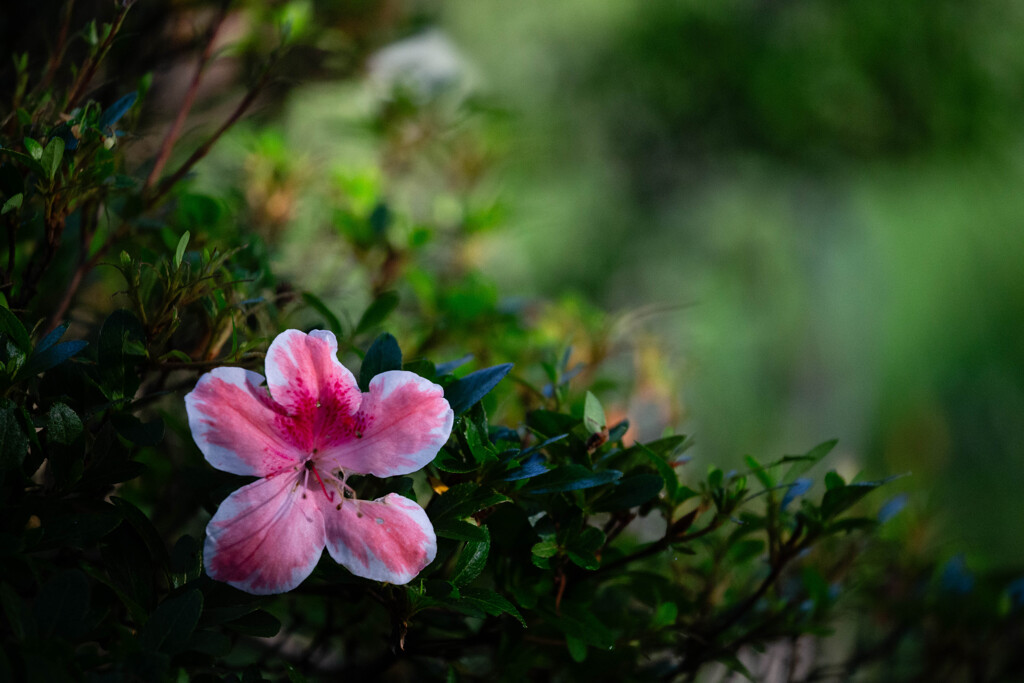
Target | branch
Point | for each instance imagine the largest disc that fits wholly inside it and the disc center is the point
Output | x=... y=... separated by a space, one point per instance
x=186 y=106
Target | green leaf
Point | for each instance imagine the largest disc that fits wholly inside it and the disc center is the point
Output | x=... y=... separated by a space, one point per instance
x=593 y=415
x=547 y=547
x=117 y=354
x=631 y=491
x=570 y=478
x=62 y=604
x=145 y=529
x=52 y=156
x=668 y=474
x=63 y=424
x=464 y=393
x=840 y=497
x=169 y=627
x=35 y=150
x=665 y=615
x=582 y=549
x=320 y=307
x=10 y=324
x=383 y=355
x=179 y=251
x=19 y=618
x=186 y=561
x=490 y=602
x=459 y=530
x=834 y=481
x=12 y=203
x=802 y=463
x=13 y=442
x=577 y=649
x=377 y=312
x=463 y=500
x=759 y=471
x=138 y=432
x=472 y=560
x=579 y=621
x=455 y=463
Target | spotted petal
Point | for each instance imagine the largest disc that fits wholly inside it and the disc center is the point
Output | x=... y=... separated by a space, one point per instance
x=236 y=425
x=401 y=425
x=389 y=539
x=266 y=537
x=305 y=376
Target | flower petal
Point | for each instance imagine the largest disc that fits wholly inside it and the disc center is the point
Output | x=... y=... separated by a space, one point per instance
x=305 y=376
x=401 y=425
x=237 y=426
x=266 y=537
x=389 y=539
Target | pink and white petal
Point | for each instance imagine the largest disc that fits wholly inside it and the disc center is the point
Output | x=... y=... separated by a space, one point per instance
x=265 y=537
x=389 y=539
x=401 y=425
x=237 y=426
x=306 y=377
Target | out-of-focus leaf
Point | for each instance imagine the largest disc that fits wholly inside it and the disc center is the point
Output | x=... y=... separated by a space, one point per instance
x=464 y=393
x=802 y=463
x=12 y=203
x=314 y=302
x=382 y=356
x=593 y=415
x=138 y=432
x=377 y=312
x=839 y=498
x=583 y=548
x=570 y=478
x=490 y=602
x=797 y=488
x=120 y=338
x=179 y=251
x=668 y=474
x=186 y=563
x=893 y=507
x=452 y=365
x=114 y=112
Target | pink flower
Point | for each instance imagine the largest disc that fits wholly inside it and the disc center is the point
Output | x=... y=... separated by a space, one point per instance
x=304 y=438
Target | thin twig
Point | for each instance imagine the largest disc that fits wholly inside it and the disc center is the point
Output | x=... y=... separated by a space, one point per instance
x=91 y=64
x=186 y=105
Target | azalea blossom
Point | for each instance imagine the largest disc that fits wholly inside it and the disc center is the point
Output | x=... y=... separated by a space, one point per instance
x=304 y=434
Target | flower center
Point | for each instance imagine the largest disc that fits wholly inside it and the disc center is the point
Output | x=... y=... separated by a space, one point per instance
x=311 y=467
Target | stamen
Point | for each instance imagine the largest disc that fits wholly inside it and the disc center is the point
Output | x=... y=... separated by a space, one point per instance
x=330 y=495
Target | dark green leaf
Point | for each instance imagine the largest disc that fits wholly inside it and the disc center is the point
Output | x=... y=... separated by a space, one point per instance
x=458 y=530
x=52 y=337
x=472 y=560
x=78 y=530
x=490 y=602
x=186 y=563
x=117 y=354
x=62 y=424
x=570 y=478
x=138 y=432
x=383 y=355
x=840 y=497
x=577 y=649
x=668 y=474
x=140 y=522
x=10 y=325
x=19 y=618
x=35 y=150
x=630 y=491
x=12 y=203
x=463 y=500
x=583 y=548
x=802 y=463
x=13 y=442
x=62 y=604
x=464 y=393
x=52 y=156
x=170 y=626
x=377 y=312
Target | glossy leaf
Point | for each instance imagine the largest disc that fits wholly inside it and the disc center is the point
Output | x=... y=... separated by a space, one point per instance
x=462 y=394
x=382 y=356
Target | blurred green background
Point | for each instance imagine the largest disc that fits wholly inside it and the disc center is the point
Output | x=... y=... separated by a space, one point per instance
x=825 y=197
